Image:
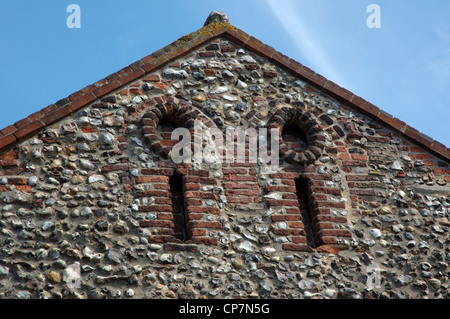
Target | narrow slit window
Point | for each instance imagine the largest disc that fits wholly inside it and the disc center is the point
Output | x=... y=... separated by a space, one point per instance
x=176 y=183
x=301 y=186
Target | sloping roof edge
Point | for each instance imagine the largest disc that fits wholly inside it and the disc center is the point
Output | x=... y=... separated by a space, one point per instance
x=21 y=130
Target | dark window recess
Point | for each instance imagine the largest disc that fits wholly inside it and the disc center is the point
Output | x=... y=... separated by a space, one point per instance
x=294 y=138
x=164 y=133
x=179 y=215
x=165 y=129
x=301 y=186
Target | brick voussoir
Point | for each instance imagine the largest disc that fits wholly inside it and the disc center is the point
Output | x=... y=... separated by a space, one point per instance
x=49 y=109
x=259 y=47
x=7 y=141
x=28 y=130
x=340 y=92
x=103 y=90
x=422 y=139
x=288 y=64
x=177 y=52
x=364 y=107
x=21 y=123
x=35 y=116
x=391 y=121
x=81 y=102
x=128 y=74
x=8 y=130
x=154 y=63
x=441 y=149
x=320 y=80
x=217 y=30
x=55 y=116
x=196 y=40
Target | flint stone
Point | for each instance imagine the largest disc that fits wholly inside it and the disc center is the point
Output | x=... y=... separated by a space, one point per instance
x=217 y=17
x=403 y=280
x=89 y=137
x=230 y=98
x=307 y=284
x=200 y=63
x=114 y=120
x=86 y=212
x=4 y=270
x=23 y=294
x=115 y=255
x=171 y=73
x=95 y=178
x=397 y=166
x=210 y=79
x=54 y=277
x=331 y=293
x=245 y=246
x=213 y=64
x=241 y=85
x=220 y=90
x=87 y=164
x=107 y=139
x=33 y=180
x=166 y=258
x=227 y=74
x=266 y=285
x=376 y=233
x=199 y=98
x=17 y=197
x=69 y=128
x=242 y=107
x=436 y=283
x=247 y=59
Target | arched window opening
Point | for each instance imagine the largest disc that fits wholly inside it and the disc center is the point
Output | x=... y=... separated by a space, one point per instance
x=164 y=131
x=302 y=188
x=294 y=138
x=176 y=183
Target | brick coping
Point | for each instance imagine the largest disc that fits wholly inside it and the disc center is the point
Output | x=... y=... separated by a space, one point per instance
x=25 y=128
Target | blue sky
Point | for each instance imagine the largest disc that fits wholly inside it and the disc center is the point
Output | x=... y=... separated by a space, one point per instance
x=402 y=67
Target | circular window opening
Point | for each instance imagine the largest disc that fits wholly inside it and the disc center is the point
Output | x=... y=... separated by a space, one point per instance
x=164 y=132
x=294 y=138
x=301 y=138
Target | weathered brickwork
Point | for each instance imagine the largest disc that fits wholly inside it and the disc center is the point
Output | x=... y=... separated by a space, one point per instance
x=99 y=189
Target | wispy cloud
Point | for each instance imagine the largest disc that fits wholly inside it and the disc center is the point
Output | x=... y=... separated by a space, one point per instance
x=439 y=56
x=303 y=38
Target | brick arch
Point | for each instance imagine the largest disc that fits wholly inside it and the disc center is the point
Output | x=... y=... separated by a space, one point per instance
x=306 y=219
x=307 y=123
x=164 y=210
x=156 y=188
x=181 y=114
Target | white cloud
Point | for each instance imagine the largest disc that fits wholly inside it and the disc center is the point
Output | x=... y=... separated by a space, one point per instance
x=303 y=38
x=441 y=63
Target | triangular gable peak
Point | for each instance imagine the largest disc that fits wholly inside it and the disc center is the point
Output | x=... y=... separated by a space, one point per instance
x=219 y=27
x=90 y=180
